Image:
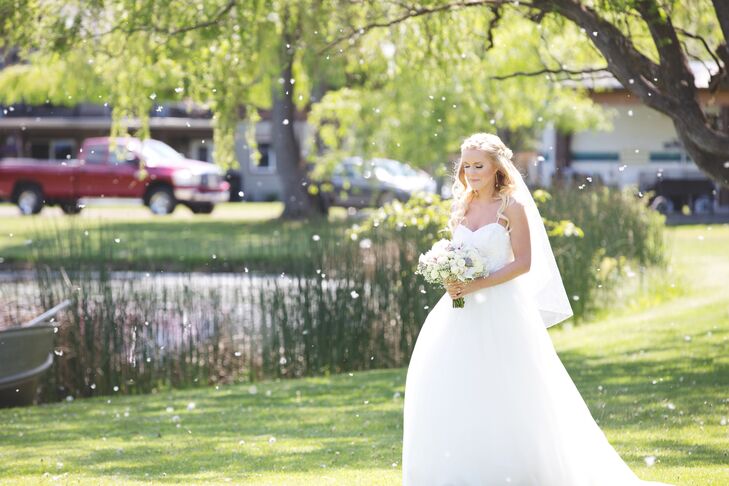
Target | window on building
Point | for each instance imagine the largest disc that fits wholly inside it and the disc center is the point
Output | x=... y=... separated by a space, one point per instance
x=267 y=162
x=201 y=149
x=202 y=153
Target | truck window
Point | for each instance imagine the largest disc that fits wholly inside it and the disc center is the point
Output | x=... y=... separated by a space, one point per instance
x=96 y=154
x=62 y=149
x=121 y=156
x=40 y=150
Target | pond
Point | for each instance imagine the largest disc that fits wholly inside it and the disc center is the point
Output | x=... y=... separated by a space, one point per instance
x=138 y=330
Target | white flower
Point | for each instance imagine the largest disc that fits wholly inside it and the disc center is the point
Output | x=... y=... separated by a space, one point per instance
x=441 y=244
x=447 y=260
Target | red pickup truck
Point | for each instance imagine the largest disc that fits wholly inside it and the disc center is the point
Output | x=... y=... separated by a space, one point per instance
x=146 y=169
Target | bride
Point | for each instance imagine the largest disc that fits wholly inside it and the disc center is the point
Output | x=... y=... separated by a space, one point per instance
x=487 y=400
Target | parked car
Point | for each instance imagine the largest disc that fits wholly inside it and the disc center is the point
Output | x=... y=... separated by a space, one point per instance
x=356 y=182
x=150 y=170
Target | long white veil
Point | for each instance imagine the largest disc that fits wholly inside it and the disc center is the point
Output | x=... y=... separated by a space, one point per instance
x=543 y=280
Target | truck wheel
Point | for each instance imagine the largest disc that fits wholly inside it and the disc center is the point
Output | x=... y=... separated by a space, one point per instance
x=201 y=207
x=71 y=207
x=662 y=204
x=703 y=205
x=29 y=199
x=161 y=200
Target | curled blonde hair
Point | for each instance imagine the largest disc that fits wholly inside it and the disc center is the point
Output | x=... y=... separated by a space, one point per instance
x=501 y=155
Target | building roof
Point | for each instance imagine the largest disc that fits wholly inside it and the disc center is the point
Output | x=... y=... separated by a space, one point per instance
x=100 y=122
x=605 y=81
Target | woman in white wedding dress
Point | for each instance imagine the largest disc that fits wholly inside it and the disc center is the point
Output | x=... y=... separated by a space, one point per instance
x=487 y=399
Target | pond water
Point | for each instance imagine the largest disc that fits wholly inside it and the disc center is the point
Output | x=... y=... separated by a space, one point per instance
x=207 y=292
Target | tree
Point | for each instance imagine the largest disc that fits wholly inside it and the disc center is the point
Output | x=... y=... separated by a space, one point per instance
x=260 y=54
x=419 y=85
x=644 y=44
x=381 y=78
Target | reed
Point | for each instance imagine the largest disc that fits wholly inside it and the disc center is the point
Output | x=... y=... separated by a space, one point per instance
x=346 y=306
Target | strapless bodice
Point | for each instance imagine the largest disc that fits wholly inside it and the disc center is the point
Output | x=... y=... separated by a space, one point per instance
x=491 y=240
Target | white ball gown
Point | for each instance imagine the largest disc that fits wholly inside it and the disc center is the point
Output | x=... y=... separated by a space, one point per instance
x=488 y=401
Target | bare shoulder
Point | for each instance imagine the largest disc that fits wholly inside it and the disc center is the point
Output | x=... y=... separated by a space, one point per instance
x=514 y=208
x=517 y=215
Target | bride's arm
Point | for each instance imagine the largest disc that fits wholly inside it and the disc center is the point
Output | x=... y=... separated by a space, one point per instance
x=521 y=246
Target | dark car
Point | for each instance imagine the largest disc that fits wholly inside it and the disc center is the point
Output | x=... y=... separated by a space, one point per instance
x=359 y=183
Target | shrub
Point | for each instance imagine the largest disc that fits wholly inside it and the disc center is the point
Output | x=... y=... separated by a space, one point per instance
x=597 y=234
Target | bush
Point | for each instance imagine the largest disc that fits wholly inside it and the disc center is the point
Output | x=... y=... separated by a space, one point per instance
x=597 y=235
x=619 y=233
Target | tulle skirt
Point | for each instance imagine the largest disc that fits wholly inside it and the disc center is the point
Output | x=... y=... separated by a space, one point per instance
x=488 y=402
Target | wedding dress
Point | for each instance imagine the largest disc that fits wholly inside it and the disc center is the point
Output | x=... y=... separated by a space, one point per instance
x=487 y=399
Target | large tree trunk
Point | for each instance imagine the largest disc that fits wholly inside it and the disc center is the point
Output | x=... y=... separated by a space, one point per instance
x=317 y=93
x=298 y=203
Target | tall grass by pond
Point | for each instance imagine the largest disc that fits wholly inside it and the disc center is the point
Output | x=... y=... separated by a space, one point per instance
x=301 y=301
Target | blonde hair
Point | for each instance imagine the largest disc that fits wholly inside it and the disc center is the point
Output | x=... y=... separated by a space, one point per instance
x=500 y=155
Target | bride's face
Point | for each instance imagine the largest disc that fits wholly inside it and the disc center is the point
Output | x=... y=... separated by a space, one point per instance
x=478 y=169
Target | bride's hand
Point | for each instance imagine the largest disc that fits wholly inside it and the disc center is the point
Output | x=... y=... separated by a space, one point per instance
x=455 y=288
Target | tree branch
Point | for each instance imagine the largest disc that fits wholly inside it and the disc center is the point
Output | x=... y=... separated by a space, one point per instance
x=666 y=41
x=413 y=12
x=570 y=72
x=703 y=42
x=493 y=23
x=214 y=20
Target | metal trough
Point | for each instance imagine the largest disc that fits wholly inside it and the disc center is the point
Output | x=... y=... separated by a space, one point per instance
x=26 y=352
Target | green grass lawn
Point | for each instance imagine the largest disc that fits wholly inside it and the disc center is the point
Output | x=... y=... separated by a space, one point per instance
x=131 y=237
x=656 y=377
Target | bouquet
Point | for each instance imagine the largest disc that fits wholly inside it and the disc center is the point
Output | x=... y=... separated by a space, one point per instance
x=449 y=260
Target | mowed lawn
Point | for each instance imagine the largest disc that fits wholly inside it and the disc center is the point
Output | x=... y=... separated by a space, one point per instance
x=130 y=236
x=656 y=378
